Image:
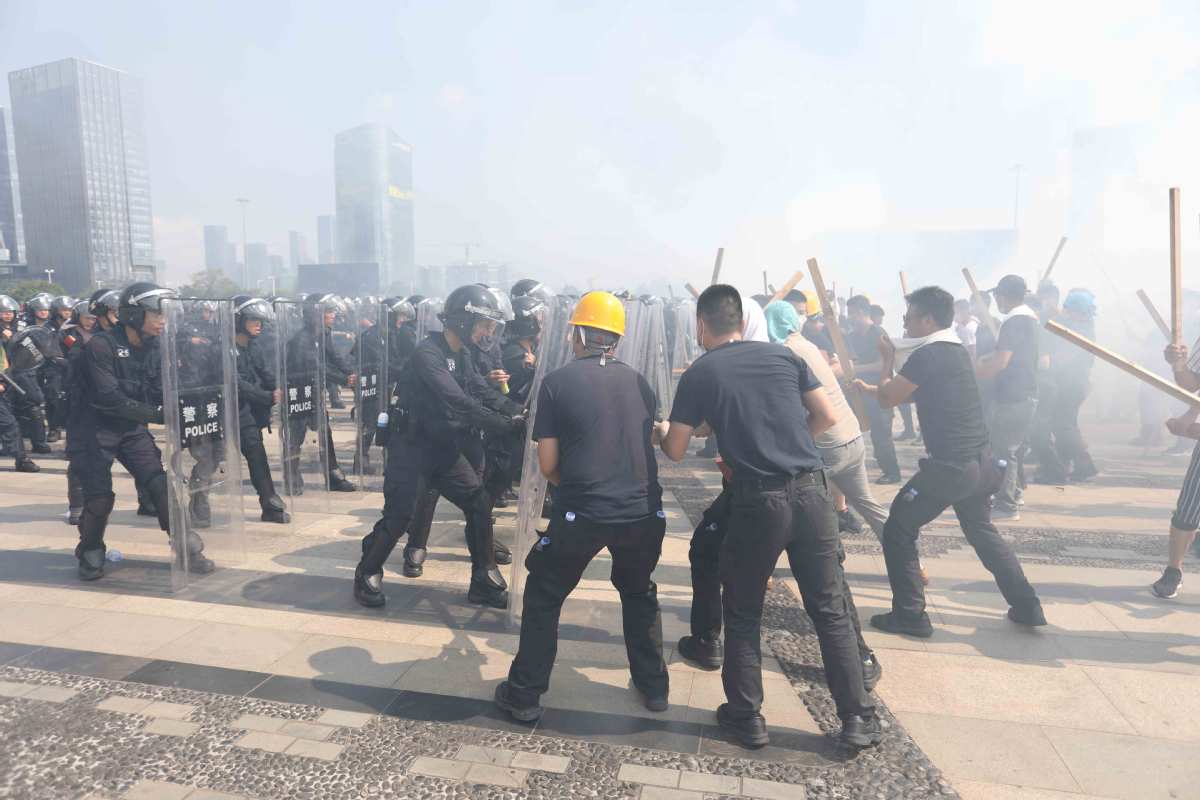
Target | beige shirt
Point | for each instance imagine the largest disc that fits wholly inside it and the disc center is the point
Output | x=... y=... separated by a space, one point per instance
x=846 y=428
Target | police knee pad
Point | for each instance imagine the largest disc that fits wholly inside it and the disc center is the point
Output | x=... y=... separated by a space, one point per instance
x=99 y=505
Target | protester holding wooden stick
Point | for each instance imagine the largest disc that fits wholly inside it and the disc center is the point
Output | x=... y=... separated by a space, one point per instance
x=1186 y=519
x=863 y=338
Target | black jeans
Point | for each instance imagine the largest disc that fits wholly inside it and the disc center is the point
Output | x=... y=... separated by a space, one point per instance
x=10 y=429
x=938 y=485
x=555 y=570
x=767 y=518
x=882 y=446
x=704 y=554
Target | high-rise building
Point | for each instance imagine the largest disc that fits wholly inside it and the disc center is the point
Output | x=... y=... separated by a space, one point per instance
x=12 y=234
x=258 y=263
x=85 y=182
x=327 y=239
x=373 y=183
x=297 y=250
x=217 y=249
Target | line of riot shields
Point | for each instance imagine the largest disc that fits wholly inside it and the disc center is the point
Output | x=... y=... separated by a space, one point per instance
x=644 y=347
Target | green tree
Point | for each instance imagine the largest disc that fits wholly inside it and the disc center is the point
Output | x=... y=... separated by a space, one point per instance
x=23 y=290
x=209 y=283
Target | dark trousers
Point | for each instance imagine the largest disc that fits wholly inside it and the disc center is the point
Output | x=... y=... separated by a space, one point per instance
x=297 y=430
x=10 y=429
x=255 y=453
x=1070 y=450
x=91 y=460
x=906 y=415
x=555 y=570
x=704 y=555
x=418 y=468
x=882 y=446
x=938 y=485
x=767 y=518
x=30 y=408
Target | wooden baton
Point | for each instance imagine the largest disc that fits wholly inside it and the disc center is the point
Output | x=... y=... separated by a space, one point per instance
x=839 y=346
x=1154 y=315
x=977 y=296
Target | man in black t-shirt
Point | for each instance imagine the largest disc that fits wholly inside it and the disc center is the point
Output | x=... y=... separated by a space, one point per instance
x=1013 y=367
x=765 y=407
x=863 y=340
x=594 y=422
x=959 y=470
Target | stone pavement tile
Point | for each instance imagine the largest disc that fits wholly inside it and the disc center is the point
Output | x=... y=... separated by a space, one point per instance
x=1159 y=704
x=540 y=762
x=1144 y=617
x=984 y=688
x=10 y=652
x=440 y=768
x=485 y=755
x=306 y=730
x=609 y=690
x=1128 y=767
x=209 y=794
x=462 y=674
x=344 y=719
x=665 y=793
x=358 y=661
x=987 y=750
x=496 y=776
x=51 y=694
x=125 y=634
x=325 y=751
x=1133 y=653
x=980 y=790
x=157 y=790
x=155 y=606
x=258 y=722
x=82 y=662
x=782 y=707
x=124 y=705
x=771 y=790
x=324 y=693
x=197 y=677
x=10 y=689
x=236 y=646
x=963 y=634
x=259 y=740
x=164 y=726
x=713 y=784
x=650 y=776
x=161 y=708
x=31 y=623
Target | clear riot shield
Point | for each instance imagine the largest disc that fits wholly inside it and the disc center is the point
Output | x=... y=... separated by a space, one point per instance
x=341 y=407
x=686 y=349
x=369 y=357
x=202 y=455
x=427 y=317
x=554 y=350
x=303 y=420
x=658 y=366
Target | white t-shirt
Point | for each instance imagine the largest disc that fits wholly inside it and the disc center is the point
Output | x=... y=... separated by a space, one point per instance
x=846 y=427
x=967 y=331
x=754 y=322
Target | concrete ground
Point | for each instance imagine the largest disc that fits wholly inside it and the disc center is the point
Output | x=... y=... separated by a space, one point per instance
x=266 y=679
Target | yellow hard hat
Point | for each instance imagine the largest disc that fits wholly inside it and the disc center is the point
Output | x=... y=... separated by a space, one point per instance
x=812 y=304
x=600 y=310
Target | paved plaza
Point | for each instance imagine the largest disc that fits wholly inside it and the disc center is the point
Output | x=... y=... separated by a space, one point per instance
x=266 y=679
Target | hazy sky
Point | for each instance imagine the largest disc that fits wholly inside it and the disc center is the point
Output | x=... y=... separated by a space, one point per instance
x=625 y=141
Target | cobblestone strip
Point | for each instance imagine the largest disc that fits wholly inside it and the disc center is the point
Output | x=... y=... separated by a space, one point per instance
x=672 y=784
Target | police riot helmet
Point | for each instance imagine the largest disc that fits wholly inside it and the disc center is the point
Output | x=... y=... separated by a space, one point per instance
x=39 y=302
x=528 y=315
x=138 y=298
x=80 y=310
x=32 y=347
x=246 y=307
x=399 y=309
x=416 y=299
x=317 y=304
x=467 y=305
x=60 y=304
x=529 y=287
x=9 y=304
x=103 y=301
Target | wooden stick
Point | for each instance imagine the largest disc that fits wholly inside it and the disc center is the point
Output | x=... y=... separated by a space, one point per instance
x=1176 y=269
x=839 y=347
x=766 y=286
x=903 y=283
x=692 y=290
x=717 y=265
x=1141 y=373
x=1053 y=260
x=797 y=276
x=977 y=296
x=770 y=289
x=1154 y=315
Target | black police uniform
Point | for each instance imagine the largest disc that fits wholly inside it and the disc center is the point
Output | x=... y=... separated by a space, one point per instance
x=74 y=341
x=608 y=497
x=112 y=400
x=256 y=385
x=10 y=430
x=750 y=393
x=445 y=404
x=30 y=407
x=367 y=351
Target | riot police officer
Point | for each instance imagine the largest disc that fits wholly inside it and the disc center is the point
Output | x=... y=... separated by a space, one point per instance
x=30 y=405
x=37 y=309
x=8 y=319
x=257 y=393
x=112 y=401
x=10 y=430
x=443 y=404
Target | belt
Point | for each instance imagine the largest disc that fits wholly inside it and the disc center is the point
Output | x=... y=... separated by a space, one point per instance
x=775 y=482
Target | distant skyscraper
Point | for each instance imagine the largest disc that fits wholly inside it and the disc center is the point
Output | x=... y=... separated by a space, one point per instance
x=327 y=239
x=373 y=182
x=275 y=264
x=85 y=182
x=297 y=250
x=216 y=249
x=258 y=263
x=12 y=235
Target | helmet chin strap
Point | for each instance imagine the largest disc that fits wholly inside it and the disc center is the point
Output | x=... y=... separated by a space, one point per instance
x=605 y=350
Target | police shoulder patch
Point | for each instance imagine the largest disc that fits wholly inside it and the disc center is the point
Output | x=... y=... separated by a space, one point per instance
x=122 y=352
x=451 y=364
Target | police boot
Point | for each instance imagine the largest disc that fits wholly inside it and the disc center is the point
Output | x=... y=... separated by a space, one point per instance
x=273 y=510
x=92 y=523
x=53 y=435
x=414 y=562
x=503 y=554
x=41 y=448
x=197 y=562
x=91 y=562
x=488 y=588
x=338 y=482
x=146 y=505
x=368 y=589
x=27 y=465
x=200 y=510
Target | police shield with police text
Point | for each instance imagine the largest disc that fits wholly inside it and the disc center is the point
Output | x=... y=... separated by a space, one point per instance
x=442 y=406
